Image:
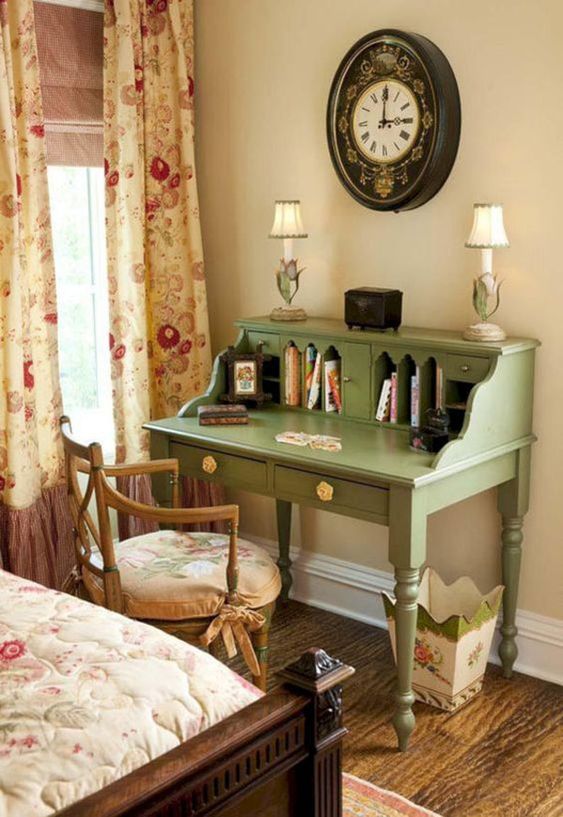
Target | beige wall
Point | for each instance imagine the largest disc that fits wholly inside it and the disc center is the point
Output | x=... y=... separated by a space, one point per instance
x=264 y=69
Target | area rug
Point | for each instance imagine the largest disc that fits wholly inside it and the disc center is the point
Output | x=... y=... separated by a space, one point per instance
x=363 y=799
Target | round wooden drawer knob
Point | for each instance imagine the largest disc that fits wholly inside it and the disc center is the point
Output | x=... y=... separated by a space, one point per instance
x=464 y=368
x=209 y=465
x=325 y=492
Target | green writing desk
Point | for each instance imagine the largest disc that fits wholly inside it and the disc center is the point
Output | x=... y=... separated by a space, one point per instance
x=485 y=388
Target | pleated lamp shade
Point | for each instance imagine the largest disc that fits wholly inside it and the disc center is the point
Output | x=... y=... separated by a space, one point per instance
x=488 y=230
x=287 y=220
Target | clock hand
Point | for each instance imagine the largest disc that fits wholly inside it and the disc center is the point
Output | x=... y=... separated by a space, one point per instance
x=385 y=96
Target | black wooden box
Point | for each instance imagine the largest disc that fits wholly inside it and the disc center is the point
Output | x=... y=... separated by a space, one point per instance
x=372 y=308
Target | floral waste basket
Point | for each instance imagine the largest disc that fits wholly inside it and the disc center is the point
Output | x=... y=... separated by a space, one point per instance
x=454 y=632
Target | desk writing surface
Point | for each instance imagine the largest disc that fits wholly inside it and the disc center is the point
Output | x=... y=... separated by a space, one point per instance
x=367 y=451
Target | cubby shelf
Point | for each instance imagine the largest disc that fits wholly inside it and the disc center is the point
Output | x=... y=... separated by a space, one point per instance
x=451 y=371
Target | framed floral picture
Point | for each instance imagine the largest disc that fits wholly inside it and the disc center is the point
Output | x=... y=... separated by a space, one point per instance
x=244 y=377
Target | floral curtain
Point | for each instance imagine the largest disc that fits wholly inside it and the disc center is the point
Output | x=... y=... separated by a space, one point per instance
x=159 y=341
x=35 y=535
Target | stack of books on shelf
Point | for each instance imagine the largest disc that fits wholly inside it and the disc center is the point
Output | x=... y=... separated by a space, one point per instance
x=317 y=375
x=292 y=376
x=388 y=405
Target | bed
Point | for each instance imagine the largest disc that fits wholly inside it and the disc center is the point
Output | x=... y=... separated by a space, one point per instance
x=103 y=715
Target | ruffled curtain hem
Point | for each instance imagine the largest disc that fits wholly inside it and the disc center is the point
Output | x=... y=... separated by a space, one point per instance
x=36 y=542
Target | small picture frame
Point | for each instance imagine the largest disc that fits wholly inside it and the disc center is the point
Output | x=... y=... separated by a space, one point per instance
x=244 y=376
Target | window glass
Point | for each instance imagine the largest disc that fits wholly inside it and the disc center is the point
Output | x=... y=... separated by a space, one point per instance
x=77 y=213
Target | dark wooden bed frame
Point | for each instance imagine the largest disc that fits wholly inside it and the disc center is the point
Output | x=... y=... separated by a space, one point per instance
x=278 y=757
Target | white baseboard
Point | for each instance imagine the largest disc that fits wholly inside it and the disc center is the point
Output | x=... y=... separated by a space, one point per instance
x=354 y=591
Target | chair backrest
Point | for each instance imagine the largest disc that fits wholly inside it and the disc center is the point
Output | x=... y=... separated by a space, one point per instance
x=88 y=460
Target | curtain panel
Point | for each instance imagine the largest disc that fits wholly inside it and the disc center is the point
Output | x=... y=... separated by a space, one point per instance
x=160 y=351
x=70 y=50
x=35 y=528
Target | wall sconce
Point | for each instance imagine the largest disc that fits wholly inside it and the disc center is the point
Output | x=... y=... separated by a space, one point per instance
x=487 y=233
x=288 y=225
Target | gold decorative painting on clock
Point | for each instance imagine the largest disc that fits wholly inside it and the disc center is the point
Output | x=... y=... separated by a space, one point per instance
x=393 y=120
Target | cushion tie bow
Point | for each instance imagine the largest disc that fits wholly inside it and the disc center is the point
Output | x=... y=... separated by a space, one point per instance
x=234 y=624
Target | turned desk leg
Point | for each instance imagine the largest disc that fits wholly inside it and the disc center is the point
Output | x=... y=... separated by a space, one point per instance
x=512 y=538
x=406 y=593
x=283 y=512
x=407 y=551
x=513 y=501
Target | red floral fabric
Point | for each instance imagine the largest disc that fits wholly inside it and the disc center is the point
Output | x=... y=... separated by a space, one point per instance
x=158 y=310
x=34 y=523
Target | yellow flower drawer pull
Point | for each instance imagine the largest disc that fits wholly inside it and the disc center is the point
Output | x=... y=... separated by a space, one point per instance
x=209 y=464
x=325 y=492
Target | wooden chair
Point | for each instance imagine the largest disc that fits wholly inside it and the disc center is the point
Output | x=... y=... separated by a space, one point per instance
x=187 y=584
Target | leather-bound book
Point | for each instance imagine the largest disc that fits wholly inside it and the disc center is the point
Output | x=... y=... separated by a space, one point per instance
x=223 y=415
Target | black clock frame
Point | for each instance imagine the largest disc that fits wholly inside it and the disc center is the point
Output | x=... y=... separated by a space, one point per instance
x=447 y=107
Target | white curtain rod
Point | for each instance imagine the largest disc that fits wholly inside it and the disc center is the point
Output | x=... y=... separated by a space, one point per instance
x=87 y=5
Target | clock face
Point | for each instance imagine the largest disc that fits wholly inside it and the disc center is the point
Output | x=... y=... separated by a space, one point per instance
x=393 y=120
x=385 y=121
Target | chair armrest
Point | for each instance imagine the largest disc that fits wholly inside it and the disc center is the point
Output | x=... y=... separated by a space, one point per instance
x=150 y=467
x=170 y=516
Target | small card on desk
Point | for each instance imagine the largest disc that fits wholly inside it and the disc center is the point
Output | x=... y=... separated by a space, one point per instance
x=320 y=441
x=222 y=415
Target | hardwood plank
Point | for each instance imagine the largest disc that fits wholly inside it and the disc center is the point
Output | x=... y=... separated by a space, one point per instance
x=500 y=756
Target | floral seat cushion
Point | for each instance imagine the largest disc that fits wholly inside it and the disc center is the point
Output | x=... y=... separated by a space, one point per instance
x=171 y=575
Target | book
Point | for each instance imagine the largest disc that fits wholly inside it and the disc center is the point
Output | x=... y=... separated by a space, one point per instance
x=310 y=357
x=415 y=398
x=292 y=376
x=394 y=407
x=439 y=386
x=220 y=415
x=333 y=401
x=384 y=404
x=315 y=392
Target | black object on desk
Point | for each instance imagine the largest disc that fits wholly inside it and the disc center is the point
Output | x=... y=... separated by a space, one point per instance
x=372 y=308
x=434 y=435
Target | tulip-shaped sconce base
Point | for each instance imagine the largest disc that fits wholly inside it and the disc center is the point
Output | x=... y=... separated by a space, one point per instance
x=287 y=277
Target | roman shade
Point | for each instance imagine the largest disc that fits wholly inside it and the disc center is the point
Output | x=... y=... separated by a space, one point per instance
x=70 y=50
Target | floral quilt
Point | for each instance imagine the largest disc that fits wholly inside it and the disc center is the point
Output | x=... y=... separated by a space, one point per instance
x=87 y=695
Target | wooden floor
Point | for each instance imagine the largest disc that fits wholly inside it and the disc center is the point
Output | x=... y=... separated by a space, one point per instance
x=500 y=756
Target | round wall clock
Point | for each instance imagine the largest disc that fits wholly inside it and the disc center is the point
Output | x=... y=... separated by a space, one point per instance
x=393 y=120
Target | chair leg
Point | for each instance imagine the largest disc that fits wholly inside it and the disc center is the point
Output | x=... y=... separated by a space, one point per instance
x=260 y=643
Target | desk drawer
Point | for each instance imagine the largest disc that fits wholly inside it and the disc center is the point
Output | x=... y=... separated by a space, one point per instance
x=467 y=368
x=271 y=342
x=331 y=493
x=230 y=469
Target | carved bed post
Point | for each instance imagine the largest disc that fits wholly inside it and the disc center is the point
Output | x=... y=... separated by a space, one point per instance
x=321 y=677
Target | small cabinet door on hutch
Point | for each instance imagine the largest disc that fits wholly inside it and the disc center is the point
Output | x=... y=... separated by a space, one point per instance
x=356 y=377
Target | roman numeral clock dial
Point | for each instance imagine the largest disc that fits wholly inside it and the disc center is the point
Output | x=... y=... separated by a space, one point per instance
x=385 y=121
x=393 y=120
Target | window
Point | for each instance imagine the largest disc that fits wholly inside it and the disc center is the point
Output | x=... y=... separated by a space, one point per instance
x=78 y=219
